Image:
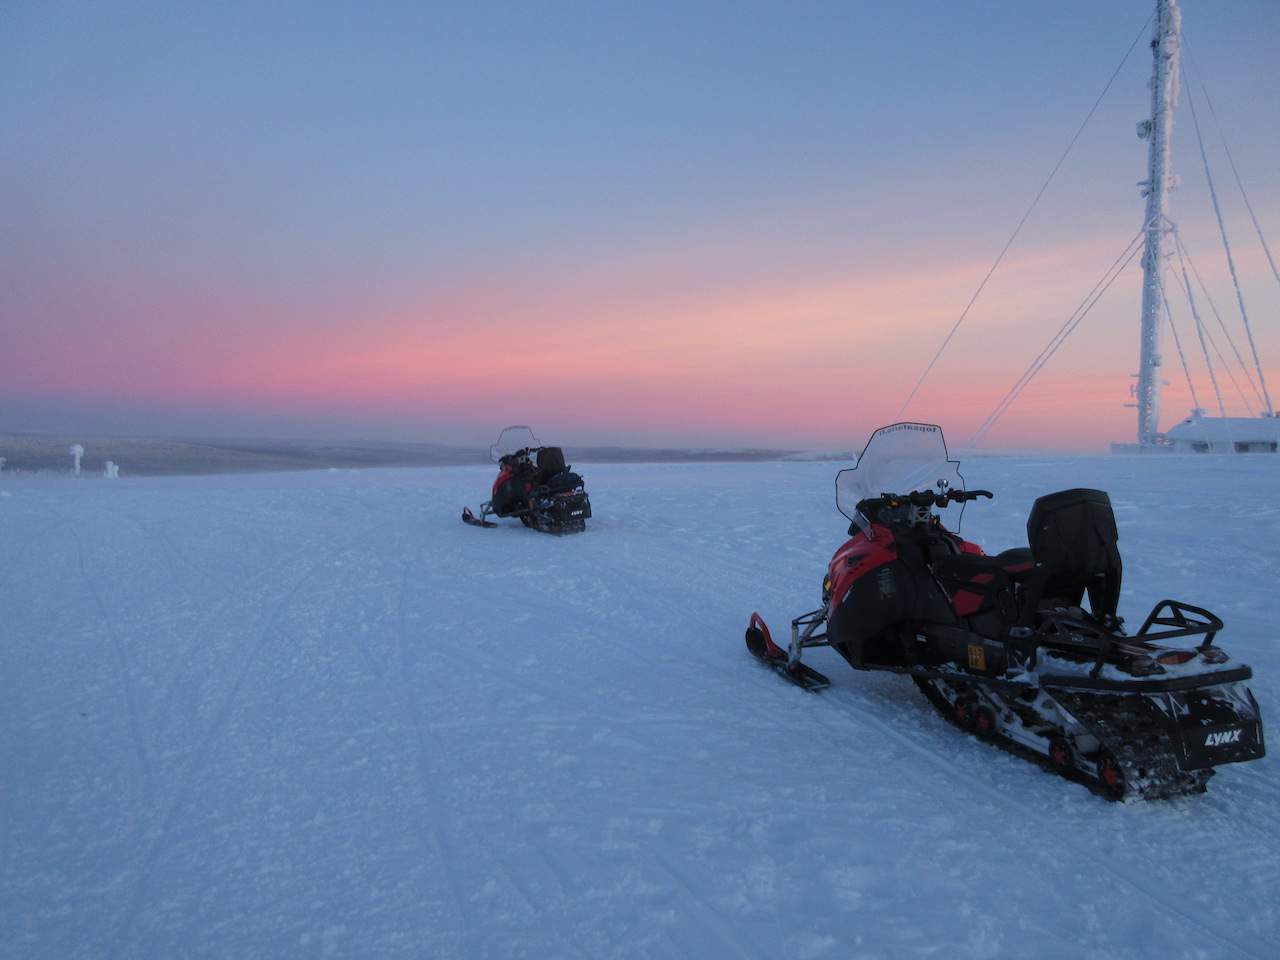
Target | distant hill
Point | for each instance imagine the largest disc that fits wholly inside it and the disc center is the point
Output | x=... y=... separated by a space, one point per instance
x=156 y=456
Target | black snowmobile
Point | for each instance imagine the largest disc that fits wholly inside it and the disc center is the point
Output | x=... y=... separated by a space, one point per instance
x=535 y=484
x=1003 y=646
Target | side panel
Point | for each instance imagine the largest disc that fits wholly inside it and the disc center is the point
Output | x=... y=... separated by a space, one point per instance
x=866 y=618
x=510 y=490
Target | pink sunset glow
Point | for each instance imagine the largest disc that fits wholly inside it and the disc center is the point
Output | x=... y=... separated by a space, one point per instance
x=696 y=366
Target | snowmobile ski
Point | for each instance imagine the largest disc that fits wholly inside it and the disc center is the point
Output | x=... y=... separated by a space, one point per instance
x=471 y=518
x=761 y=645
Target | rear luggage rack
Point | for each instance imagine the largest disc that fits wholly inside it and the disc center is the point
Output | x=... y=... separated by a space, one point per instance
x=1180 y=619
x=1176 y=618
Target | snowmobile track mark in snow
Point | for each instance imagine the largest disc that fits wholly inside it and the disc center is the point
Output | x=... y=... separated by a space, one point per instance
x=162 y=833
x=436 y=845
x=427 y=779
x=146 y=786
x=725 y=930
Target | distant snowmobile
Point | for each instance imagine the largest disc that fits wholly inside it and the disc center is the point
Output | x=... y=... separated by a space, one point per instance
x=1002 y=645
x=535 y=484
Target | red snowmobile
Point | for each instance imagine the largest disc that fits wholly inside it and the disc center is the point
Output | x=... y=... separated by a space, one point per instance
x=535 y=484
x=1003 y=646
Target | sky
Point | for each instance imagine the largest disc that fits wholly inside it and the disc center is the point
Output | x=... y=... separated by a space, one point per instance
x=707 y=224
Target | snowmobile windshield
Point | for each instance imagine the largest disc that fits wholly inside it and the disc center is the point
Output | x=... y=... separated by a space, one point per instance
x=513 y=440
x=898 y=459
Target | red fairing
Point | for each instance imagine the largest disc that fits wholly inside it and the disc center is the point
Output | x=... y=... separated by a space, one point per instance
x=860 y=555
x=856 y=557
x=503 y=476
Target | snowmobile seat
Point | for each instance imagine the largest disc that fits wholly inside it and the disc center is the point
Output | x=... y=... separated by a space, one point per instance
x=1015 y=557
x=550 y=462
x=1074 y=541
x=979 y=583
x=964 y=566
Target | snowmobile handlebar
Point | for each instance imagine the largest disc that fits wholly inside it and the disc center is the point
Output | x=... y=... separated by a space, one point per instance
x=524 y=453
x=924 y=498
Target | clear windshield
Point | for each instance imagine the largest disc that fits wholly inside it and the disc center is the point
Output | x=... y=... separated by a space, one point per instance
x=513 y=440
x=901 y=458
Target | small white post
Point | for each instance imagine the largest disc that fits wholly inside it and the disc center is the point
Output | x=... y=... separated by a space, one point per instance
x=77 y=452
x=112 y=470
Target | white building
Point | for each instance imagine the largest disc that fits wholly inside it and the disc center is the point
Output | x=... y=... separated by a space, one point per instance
x=1201 y=434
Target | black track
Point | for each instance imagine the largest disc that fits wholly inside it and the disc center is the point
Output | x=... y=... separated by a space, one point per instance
x=1130 y=753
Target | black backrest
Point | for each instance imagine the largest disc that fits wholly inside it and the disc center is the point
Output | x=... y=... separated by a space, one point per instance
x=550 y=462
x=1074 y=541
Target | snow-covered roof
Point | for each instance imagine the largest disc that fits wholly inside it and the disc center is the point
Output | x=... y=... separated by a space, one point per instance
x=1226 y=429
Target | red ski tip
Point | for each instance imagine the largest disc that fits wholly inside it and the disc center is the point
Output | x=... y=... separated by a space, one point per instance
x=760 y=641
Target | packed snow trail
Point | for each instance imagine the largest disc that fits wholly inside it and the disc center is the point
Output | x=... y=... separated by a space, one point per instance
x=316 y=715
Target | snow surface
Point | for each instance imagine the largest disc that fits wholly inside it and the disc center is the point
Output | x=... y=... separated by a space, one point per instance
x=315 y=715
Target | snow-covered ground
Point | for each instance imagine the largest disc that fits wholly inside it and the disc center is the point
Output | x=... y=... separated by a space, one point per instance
x=315 y=715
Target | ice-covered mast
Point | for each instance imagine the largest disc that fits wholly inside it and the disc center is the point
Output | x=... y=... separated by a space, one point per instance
x=1157 y=131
